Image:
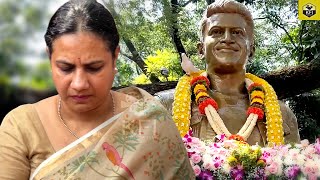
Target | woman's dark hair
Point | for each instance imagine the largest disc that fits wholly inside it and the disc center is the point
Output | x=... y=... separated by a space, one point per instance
x=83 y=15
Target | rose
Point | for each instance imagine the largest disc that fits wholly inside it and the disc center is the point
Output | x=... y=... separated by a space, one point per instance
x=196 y=158
x=311 y=168
x=284 y=150
x=294 y=153
x=196 y=169
x=305 y=143
x=310 y=150
x=317 y=146
x=272 y=168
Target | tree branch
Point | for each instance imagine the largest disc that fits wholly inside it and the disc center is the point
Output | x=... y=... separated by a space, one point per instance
x=301 y=49
x=284 y=29
x=126 y=55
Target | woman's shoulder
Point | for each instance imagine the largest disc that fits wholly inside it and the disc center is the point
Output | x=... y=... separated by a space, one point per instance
x=21 y=113
x=26 y=113
x=45 y=103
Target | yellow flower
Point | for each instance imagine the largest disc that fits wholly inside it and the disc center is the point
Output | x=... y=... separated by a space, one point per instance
x=261 y=163
x=181 y=110
x=259 y=94
x=201 y=94
x=272 y=111
x=199 y=87
x=232 y=161
x=256 y=100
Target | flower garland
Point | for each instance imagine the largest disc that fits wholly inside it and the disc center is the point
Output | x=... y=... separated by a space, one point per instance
x=263 y=100
x=273 y=113
x=181 y=109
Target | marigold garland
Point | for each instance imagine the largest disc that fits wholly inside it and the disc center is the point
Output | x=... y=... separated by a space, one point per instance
x=264 y=101
x=200 y=80
x=198 y=88
x=181 y=109
x=272 y=111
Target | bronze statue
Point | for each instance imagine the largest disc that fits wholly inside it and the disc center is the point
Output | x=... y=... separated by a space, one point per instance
x=227 y=44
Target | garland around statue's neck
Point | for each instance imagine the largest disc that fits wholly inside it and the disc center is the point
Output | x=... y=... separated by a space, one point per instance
x=263 y=102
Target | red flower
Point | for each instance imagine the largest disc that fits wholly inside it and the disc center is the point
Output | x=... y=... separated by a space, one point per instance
x=205 y=103
x=255 y=86
x=256 y=111
x=200 y=80
x=236 y=137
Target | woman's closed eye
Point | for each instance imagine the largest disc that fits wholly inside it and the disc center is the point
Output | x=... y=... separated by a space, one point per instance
x=93 y=69
x=66 y=68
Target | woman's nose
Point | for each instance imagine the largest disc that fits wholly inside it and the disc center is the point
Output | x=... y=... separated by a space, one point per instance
x=79 y=81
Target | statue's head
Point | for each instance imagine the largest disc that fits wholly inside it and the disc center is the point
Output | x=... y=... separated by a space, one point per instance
x=226 y=33
x=227 y=6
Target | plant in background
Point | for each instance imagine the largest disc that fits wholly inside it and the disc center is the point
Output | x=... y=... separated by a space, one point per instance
x=162 y=59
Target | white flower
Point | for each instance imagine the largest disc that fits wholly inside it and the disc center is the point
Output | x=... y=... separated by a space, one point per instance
x=288 y=161
x=300 y=160
x=305 y=143
x=226 y=168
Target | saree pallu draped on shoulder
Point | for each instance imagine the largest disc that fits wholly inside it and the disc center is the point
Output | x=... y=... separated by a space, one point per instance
x=140 y=143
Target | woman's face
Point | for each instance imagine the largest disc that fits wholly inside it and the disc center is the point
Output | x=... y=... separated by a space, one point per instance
x=83 y=70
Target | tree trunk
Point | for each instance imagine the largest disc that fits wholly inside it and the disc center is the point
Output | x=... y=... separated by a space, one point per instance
x=287 y=82
x=295 y=80
x=135 y=54
x=174 y=31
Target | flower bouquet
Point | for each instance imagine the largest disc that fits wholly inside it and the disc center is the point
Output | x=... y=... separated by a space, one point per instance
x=231 y=159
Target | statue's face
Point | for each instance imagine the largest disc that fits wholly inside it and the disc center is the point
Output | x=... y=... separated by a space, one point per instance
x=226 y=45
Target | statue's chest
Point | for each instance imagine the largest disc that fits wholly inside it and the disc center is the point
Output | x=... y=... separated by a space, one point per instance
x=232 y=110
x=233 y=117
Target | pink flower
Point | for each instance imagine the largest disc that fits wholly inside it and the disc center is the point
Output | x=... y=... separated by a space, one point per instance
x=272 y=168
x=312 y=177
x=310 y=150
x=284 y=150
x=273 y=152
x=317 y=146
x=305 y=143
x=311 y=168
x=196 y=169
x=209 y=165
x=196 y=158
x=294 y=153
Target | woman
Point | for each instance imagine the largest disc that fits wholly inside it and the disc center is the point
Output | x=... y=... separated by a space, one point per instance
x=88 y=131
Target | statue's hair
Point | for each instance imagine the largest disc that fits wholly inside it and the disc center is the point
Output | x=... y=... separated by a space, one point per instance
x=228 y=6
